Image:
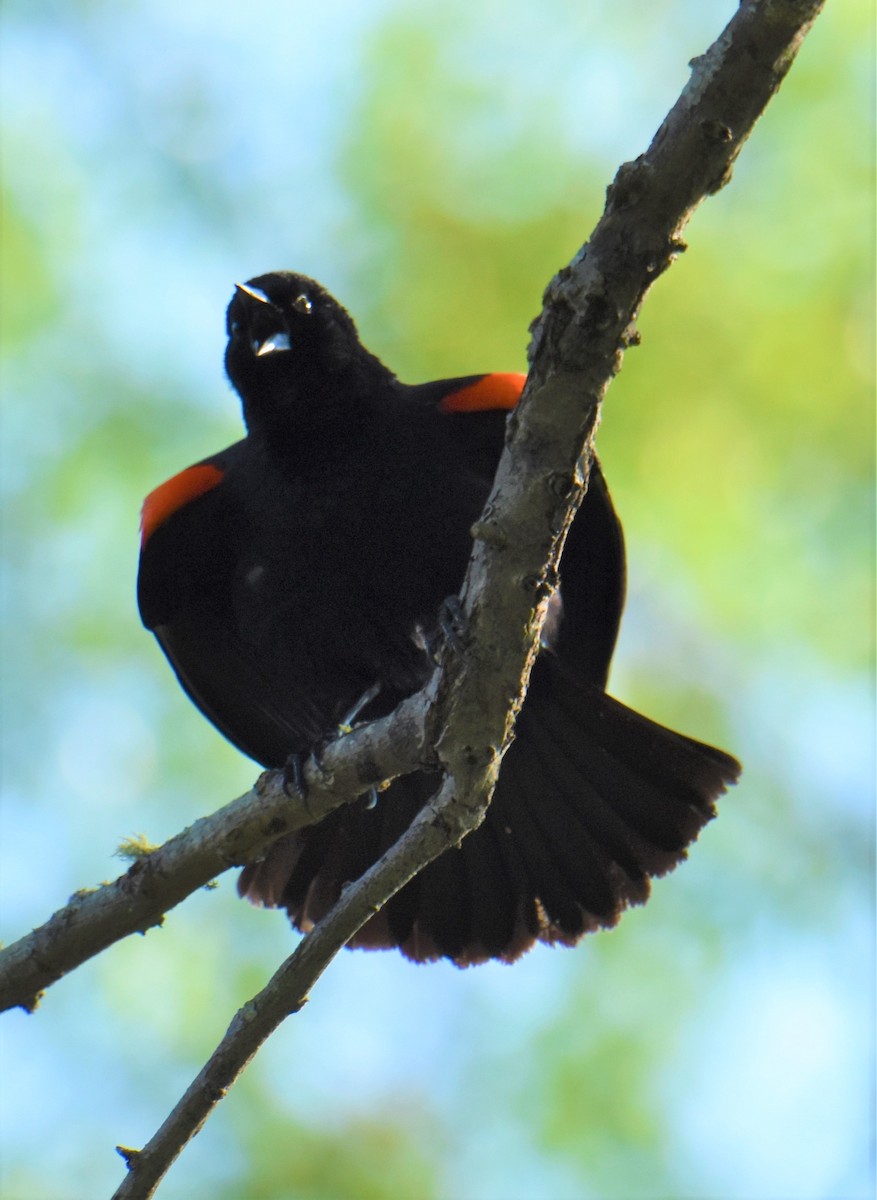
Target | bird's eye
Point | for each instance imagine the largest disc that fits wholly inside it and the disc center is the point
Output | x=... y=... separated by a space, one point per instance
x=302 y=304
x=234 y=328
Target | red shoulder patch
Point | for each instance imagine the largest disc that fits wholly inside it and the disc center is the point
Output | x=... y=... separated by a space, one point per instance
x=490 y=391
x=174 y=494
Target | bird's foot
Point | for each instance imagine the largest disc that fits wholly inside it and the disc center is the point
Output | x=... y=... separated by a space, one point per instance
x=451 y=629
x=345 y=725
x=294 y=777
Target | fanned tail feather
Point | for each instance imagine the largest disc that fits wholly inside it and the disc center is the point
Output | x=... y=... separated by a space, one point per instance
x=593 y=800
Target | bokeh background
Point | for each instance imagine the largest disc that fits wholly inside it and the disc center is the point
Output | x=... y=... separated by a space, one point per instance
x=434 y=165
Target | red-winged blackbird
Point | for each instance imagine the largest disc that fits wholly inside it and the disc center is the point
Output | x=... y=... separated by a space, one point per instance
x=296 y=570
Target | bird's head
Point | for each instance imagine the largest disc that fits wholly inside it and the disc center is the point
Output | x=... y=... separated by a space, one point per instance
x=294 y=355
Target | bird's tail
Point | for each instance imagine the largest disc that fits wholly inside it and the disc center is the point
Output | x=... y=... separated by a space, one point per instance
x=593 y=800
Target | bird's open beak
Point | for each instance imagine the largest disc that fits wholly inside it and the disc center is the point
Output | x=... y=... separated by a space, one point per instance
x=253 y=293
x=273 y=344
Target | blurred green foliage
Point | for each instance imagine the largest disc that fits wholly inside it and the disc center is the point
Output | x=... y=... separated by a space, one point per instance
x=435 y=167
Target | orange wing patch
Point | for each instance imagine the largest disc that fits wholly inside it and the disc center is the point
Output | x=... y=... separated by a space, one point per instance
x=490 y=391
x=174 y=494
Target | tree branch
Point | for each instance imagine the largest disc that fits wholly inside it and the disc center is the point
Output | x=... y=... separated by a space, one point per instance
x=576 y=349
x=285 y=993
x=237 y=833
x=577 y=346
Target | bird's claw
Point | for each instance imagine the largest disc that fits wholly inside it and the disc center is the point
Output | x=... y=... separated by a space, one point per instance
x=452 y=627
x=294 y=777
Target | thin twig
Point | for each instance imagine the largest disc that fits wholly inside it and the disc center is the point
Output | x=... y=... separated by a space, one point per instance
x=286 y=993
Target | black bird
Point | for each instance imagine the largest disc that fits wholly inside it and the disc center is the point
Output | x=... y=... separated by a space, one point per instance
x=306 y=566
